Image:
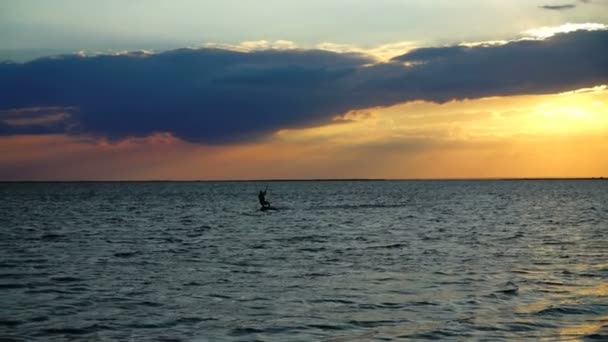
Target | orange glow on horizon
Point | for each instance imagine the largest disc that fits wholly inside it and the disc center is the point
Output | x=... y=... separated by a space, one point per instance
x=559 y=135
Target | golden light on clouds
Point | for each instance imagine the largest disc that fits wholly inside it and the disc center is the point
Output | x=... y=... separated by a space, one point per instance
x=500 y=118
x=381 y=53
x=549 y=31
x=559 y=135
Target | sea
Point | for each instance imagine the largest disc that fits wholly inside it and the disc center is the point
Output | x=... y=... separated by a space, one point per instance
x=487 y=260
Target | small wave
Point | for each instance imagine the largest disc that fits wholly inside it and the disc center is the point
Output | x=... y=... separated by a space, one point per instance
x=431 y=238
x=242 y=331
x=189 y=320
x=155 y=325
x=589 y=275
x=196 y=230
x=251 y=214
x=172 y=240
x=553 y=283
x=219 y=296
x=266 y=330
x=565 y=310
x=254 y=299
x=512 y=291
x=306 y=238
x=423 y=303
x=65 y=279
x=391 y=246
x=39 y=319
x=380 y=280
x=52 y=237
x=10 y=323
x=125 y=254
x=326 y=327
x=335 y=301
x=513 y=237
x=596 y=337
x=75 y=331
x=527 y=326
x=316 y=274
x=390 y=306
x=542 y=263
x=313 y=250
x=348 y=338
x=558 y=243
x=373 y=323
x=487 y=328
x=509 y=288
x=193 y=283
x=15 y=276
x=35 y=261
x=13 y=339
x=431 y=335
x=150 y=304
x=50 y=290
x=360 y=206
x=525 y=272
x=247 y=271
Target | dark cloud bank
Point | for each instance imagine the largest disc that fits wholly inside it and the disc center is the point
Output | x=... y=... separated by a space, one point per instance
x=219 y=96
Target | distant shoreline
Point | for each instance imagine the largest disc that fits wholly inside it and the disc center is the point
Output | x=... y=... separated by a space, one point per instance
x=308 y=180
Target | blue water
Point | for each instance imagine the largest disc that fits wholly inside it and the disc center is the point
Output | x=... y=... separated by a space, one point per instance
x=340 y=261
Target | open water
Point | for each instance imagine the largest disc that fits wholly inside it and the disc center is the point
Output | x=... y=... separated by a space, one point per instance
x=340 y=261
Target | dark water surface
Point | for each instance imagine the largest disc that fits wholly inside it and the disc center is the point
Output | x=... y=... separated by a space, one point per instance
x=342 y=261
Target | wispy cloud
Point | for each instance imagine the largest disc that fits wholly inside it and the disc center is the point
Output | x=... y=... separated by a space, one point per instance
x=558 y=7
x=564 y=6
x=216 y=96
x=255 y=45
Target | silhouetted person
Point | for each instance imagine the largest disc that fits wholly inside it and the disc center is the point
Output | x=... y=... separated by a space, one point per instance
x=262 y=199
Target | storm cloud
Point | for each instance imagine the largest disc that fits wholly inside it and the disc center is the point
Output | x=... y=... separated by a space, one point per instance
x=216 y=96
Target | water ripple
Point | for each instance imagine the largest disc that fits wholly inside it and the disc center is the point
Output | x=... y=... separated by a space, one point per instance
x=344 y=261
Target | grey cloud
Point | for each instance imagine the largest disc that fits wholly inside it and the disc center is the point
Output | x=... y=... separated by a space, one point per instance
x=558 y=7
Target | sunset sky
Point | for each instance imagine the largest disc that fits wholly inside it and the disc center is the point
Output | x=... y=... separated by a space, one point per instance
x=284 y=89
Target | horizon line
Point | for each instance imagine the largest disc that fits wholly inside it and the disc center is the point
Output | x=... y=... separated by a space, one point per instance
x=306 y=180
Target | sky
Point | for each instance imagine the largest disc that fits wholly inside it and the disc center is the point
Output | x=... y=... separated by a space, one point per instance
x=269 y=89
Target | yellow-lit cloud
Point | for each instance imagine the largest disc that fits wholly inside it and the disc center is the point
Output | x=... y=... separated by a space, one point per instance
x=549 y=31
x=500 y=118
x=561 y=135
